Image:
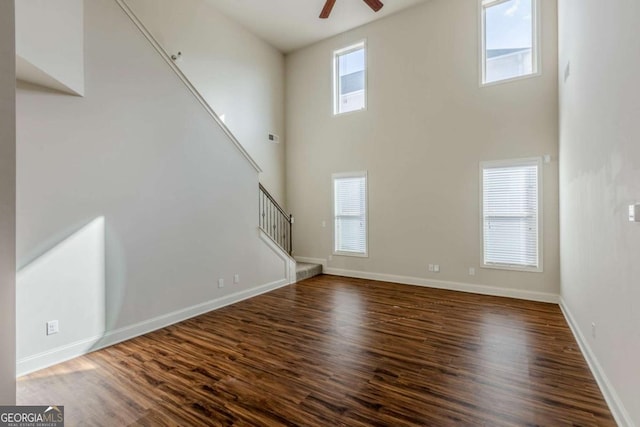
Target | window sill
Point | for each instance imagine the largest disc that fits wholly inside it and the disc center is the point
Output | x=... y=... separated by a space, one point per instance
x=511 y=79
x=351 y=254
x=509 y=267
x=348 y=113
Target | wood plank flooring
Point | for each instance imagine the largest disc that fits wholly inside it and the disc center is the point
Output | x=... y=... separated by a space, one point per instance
x=332 y=351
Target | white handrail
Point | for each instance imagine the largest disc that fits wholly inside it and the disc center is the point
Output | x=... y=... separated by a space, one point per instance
x=123 y=5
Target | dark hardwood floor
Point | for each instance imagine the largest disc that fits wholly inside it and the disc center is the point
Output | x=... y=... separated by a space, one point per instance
x=334 y=351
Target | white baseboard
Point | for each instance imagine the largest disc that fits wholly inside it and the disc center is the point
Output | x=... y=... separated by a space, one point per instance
x=320 y=261
x=618 y=410
x=61 y=354
x=451 y=286
x=54 y=356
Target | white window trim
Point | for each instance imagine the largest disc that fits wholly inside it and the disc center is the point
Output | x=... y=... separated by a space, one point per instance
x=505 y=163
x=366 y=212
x=362 y=44
x=537 y=57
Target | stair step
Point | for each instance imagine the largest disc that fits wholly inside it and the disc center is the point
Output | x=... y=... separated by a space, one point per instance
x=305 y=270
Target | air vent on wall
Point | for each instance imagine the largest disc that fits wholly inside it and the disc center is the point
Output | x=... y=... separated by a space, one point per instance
x=274 y=138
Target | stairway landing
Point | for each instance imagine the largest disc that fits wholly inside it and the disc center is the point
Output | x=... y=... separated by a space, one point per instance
x=305 y=270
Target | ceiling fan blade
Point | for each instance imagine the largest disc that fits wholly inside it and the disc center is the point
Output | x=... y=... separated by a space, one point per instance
x=326 y=10
x=376 y=5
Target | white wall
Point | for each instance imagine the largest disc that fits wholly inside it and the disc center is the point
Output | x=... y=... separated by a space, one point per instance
x=427 y=126
x=179 y=201
x=73 y=269
x=240 y=75
x=50 y=44
x=600 y=177
x=7 y=204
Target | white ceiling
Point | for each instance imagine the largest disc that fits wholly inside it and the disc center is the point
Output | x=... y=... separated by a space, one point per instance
x=292 y=24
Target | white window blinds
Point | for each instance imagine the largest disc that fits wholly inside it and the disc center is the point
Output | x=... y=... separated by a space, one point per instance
x=350 y=213
x=510 y=214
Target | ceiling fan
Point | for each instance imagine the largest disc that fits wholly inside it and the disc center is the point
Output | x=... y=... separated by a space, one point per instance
x=376 y=5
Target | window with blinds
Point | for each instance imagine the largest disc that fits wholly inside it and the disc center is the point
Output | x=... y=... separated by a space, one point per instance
x=350 y=213
x=511 y=214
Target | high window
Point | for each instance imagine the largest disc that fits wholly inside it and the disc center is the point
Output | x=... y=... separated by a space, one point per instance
x=509 y=39
x=511 y=214
x=350 y=213
x=349 y=79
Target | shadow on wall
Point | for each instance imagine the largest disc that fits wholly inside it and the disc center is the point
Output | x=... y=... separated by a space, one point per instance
x=73 y=282
x=67 y=284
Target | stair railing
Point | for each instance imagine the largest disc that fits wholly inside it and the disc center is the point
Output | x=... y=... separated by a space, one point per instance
x=275 y=221
x=167 y=58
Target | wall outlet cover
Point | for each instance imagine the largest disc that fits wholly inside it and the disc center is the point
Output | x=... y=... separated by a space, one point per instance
x=52 y=327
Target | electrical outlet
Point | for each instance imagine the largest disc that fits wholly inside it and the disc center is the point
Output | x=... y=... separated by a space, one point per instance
x=236 y=278
x=324 y=224
x=330 y=258
x=52 y=327
x=436 y=268
x=472 y=271
x=593 y=329
x=221 y=283
x=431 y=268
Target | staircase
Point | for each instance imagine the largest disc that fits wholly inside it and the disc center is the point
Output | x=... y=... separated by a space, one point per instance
x=278 y=225
x=274 y=221
x=305 y=270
